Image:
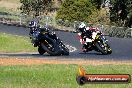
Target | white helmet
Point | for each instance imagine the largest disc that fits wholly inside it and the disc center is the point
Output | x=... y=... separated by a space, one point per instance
x=82 y=25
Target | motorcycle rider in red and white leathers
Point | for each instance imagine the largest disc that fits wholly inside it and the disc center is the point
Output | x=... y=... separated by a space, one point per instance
x=87 y=35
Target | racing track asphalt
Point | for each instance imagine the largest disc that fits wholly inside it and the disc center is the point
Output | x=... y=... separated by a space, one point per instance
x=122 y=48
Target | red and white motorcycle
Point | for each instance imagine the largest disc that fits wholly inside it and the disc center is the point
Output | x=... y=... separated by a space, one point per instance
x=97 y=42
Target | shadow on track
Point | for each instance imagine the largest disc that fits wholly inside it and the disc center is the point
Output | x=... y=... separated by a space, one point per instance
x=73 y=55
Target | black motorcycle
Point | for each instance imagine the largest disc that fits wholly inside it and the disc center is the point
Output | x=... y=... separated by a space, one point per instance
x=47 y=41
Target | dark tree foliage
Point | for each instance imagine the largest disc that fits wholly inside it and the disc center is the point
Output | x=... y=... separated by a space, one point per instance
x=120 y=11
x=76 y=10
x=98 y=3
x=35 y=7
x=129 y=16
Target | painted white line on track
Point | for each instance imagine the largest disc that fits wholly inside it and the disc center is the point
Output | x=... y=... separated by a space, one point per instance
x=71 y=48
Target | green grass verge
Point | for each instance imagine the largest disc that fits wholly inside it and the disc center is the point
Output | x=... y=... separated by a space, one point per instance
x=13 y=1
x=11 y=43
x=56 y=76
x=9 y=11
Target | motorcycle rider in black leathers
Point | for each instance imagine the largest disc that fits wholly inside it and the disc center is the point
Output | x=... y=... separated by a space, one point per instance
x=36 y=30
x=33 y=26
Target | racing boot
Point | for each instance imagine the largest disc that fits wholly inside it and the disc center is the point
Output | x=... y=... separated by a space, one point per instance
x=87 y=48
x=84 y=49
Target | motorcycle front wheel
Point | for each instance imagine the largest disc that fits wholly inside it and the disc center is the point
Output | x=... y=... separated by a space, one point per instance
x=64 y=49
x=101 y=47
x=109 y=51
x=53 y=51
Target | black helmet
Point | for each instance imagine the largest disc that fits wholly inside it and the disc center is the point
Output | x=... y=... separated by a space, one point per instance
x=32 y=24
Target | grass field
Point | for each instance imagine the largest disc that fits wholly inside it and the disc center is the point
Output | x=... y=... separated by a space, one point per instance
x=11 y=43
x=10 y=5
x=56 y=76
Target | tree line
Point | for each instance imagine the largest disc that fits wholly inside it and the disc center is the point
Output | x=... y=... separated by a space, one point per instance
x=81 y=10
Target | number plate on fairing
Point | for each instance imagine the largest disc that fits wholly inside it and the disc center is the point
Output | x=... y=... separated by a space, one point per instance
x=88 y=40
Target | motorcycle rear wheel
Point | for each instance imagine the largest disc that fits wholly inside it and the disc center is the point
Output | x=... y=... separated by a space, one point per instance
x=41 y=50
